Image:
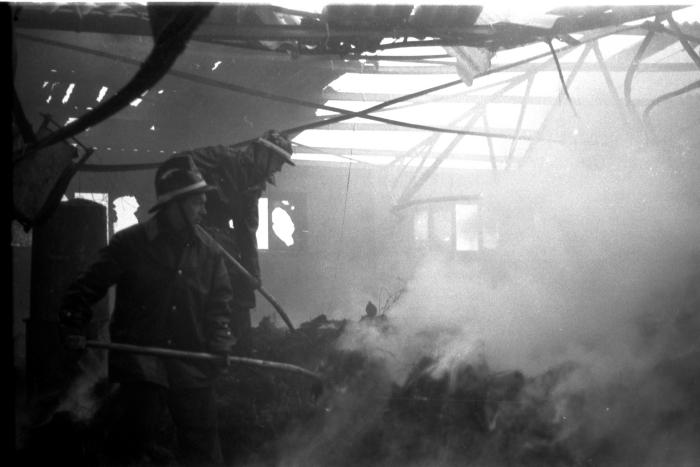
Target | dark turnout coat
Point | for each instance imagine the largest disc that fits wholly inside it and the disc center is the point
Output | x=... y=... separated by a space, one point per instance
x=170 y=292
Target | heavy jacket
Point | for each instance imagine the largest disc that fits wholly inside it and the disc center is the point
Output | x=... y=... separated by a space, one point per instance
x=170 y=292
x=240 y=183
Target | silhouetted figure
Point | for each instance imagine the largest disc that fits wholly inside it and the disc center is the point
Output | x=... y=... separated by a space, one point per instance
x=172 y=290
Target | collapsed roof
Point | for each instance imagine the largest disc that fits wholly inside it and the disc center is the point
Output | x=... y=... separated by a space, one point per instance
x=126 y=79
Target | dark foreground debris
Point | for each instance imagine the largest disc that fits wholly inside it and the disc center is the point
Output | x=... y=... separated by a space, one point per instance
x=470 y=415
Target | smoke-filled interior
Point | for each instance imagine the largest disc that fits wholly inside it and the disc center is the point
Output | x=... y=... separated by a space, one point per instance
x=569 y=337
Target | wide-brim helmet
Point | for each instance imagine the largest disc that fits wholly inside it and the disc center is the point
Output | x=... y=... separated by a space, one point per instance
x=176 y=178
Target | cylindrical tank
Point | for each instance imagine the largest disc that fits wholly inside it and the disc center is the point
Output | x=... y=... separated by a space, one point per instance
x=62 y=247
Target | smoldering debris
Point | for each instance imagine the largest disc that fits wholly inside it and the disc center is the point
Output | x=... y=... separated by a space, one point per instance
x=470 y=413
x=436 y=414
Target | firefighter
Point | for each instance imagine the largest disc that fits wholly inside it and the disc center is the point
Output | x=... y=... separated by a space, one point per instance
x=240 y=175
x=172 y=291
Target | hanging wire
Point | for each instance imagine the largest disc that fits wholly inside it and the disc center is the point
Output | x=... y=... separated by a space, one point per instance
x=340 y=238
x=561 y=77
x=665 y=97
x=633 y=68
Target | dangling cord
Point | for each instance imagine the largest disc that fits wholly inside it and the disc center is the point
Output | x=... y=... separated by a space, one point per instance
x=340 y=241
x=664 y=97
x=561 y=76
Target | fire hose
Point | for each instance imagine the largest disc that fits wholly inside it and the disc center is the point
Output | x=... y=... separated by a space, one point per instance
x=79 y=343
x=252 y=279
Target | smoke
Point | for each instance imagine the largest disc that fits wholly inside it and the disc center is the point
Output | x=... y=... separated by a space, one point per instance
x=597 y=267
x=81 y=400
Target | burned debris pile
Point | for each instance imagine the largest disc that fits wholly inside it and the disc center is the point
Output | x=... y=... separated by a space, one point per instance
x=362 y=417
x=468 y=414
x=465 y=414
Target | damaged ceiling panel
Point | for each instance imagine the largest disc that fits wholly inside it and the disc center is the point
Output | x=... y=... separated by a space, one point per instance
x=457 y=86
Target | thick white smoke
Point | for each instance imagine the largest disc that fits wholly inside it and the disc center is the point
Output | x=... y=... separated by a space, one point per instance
x=586 y=254
x=600 y=241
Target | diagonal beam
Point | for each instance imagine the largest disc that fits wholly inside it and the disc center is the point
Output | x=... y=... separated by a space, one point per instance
x=609 y=82
x=521 y=118
x=683 y=40
x=492 y=154
x=548 y=118
x=633 y=68
x=428 y=143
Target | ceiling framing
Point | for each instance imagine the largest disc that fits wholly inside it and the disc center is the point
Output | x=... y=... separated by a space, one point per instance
x=237 y=35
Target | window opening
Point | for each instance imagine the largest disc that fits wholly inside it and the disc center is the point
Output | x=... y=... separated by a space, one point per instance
x=467 y=227
x=283 y=225
x=125 y=208
x=262 y=233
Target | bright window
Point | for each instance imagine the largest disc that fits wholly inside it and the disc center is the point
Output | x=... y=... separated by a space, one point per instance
x=461 y=226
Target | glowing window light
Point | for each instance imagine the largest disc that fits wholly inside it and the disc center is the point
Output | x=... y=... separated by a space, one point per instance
x=353 y=143
x=451 y=164
x=320 y=157
x=101 y=198
x=470 y=145
x=441 y=225
x=420 y=226
x=102 y=93
x=125 y=208
x=689 y=14
x=467 y=227
x=389 y=83
x=499 y=115
x=283 y=226
x=489 y=230
x=69 y=91
x=545 y=84
x=262 y=232
x=377 y=83
x=475 y=165
x=609 y=46
x=392 y=140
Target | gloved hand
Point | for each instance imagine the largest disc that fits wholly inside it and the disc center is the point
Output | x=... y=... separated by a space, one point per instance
x=222 y=339
x=72 y=330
